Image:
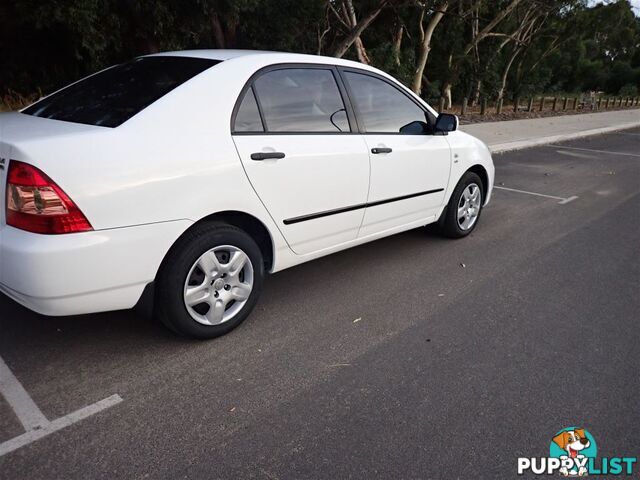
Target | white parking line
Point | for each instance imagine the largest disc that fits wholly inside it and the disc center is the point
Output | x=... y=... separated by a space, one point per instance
x=562 y=201
x=31 y=417
x=595 y=151
x=17 y=397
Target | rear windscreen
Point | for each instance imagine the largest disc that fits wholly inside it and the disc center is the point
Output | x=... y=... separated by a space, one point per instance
x=113 y=96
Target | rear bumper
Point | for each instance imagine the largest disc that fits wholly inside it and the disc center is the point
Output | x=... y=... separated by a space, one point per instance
x=84 y=272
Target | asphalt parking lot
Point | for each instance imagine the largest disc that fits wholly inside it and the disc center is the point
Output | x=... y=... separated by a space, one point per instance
x=410 y=357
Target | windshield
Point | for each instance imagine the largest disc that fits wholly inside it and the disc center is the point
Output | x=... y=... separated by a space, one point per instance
x=111 y=97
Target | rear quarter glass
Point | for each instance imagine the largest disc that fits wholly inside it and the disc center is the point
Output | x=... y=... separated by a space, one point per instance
x=111 y=97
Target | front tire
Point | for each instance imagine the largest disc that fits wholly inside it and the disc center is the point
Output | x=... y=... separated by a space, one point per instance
x=464 y=208
x=210 y=281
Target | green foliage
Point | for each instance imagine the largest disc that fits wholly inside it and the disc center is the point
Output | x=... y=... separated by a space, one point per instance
x=285 y=25
x=44 y=45
x=628 y=90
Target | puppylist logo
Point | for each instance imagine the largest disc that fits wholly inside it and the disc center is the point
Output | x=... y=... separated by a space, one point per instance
x=573 y=453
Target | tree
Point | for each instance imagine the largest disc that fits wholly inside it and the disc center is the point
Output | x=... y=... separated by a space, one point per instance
x=426 y=34
x=345 y=13
x=461 y=48
x=496 y=13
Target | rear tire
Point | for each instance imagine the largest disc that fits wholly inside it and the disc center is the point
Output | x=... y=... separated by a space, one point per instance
x=462 y=213
x=209 y=282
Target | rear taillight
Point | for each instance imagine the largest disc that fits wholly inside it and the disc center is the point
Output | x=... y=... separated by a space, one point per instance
x=36 y=204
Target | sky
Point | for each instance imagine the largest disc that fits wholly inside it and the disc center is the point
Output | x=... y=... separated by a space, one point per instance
x=636 y=6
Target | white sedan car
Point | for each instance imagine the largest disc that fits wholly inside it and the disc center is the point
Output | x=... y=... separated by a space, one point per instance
x=178 y=180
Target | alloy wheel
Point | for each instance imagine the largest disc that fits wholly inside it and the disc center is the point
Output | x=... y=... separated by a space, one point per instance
x=469 y=206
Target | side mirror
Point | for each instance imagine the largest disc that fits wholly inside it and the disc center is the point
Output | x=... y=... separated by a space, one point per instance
x=415 y=128
x=446 y=123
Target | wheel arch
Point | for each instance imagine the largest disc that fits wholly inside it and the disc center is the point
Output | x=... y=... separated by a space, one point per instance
x=483 y=174
x=253 y=226
x=242 y=220
x=476 y=168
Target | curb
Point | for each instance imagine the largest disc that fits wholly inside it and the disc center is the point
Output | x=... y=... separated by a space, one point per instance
x=520 y=144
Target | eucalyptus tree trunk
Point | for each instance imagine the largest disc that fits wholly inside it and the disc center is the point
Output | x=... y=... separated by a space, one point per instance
x=344 y=44
x=224 y=31
x=425 y=44
x=446 y=93
x=476 y=93
x=505 y=73
x=397 y=44
x=448 y=85
x=478 y=36
x=351 y=17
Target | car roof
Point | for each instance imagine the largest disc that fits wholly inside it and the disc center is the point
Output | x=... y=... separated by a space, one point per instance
x=224 y=54
x=261 y=58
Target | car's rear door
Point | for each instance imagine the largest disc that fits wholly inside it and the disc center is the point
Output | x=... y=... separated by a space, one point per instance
x=409 y=165
x=293 y=132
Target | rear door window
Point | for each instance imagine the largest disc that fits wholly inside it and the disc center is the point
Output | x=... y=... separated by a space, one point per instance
x=111 y=97
x=301 y=100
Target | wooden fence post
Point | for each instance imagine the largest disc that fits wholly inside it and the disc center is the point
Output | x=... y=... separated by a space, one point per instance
x=575 y=103
x=606 y=104
x=483 y=106
x=555 y=103
x=564 y=103
x=530 y=107
x=516 y=104
x=599 y=102
x=542 y=99
x=620 y=102
x=463 y=109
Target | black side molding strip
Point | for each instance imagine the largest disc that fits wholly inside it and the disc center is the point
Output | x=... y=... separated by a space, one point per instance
x=335 y=211
x=403 y=197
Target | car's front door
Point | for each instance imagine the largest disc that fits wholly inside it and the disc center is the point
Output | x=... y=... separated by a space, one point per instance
x=409 y=166
x=294 y=137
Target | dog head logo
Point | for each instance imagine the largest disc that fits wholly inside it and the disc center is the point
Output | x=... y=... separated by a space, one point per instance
x=573 y=446
x=573 y=441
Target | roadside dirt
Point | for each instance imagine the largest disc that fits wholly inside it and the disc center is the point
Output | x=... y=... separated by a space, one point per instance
x=509 y=114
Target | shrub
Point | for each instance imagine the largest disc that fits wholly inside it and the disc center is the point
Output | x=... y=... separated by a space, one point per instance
x=628 y=90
